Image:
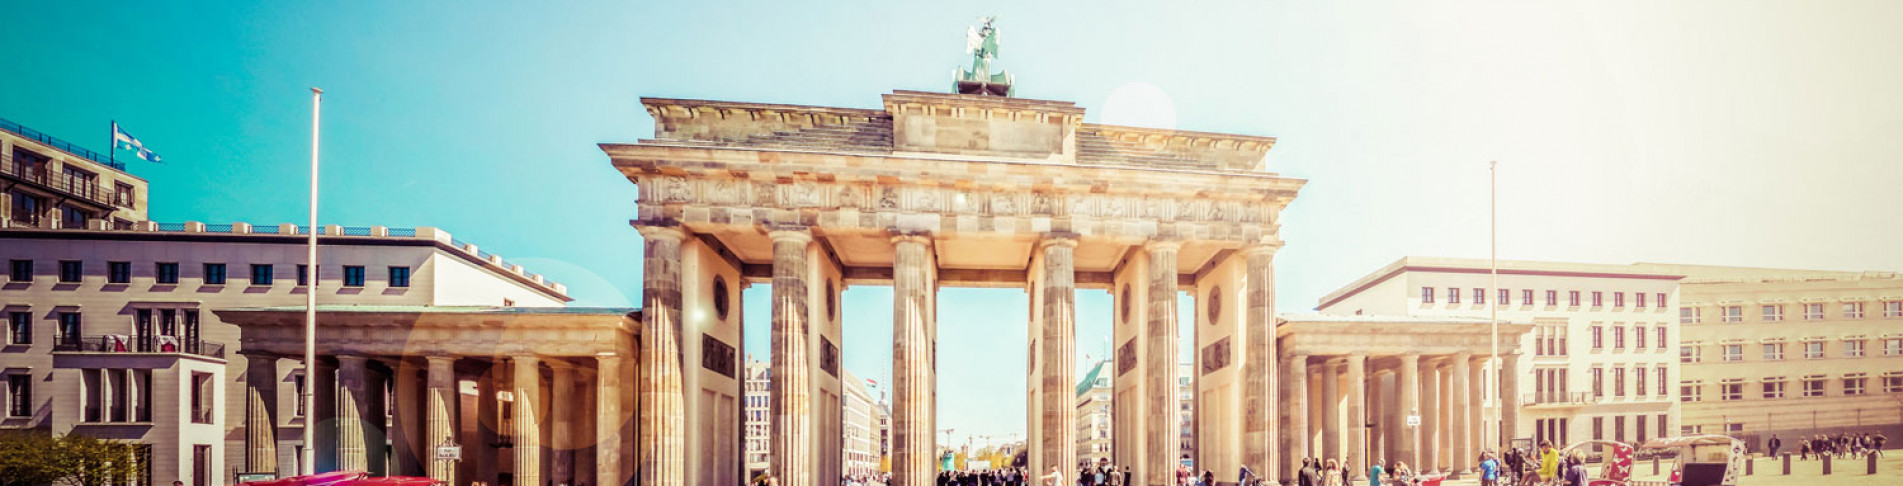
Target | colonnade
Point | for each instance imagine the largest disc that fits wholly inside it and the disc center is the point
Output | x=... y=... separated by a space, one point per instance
x=563 y=424
x=1425 y=410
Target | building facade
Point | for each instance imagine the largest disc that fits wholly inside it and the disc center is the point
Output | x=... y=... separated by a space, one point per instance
x=758 y=407
x=1600 y=358
x=1094 y=417
x=113 y=333
x=861 y=429
x=1789 y=352
x=50 y=183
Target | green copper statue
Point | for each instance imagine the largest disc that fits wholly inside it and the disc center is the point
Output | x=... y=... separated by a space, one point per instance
x=982 y=44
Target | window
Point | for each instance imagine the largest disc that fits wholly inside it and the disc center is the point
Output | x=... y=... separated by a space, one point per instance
x=1598 y=299
x=1618 y=382
x=1598 y=382
x=1427 y=295
x=1480 y=295
x=353 y=275
x=1640 y=297
x=1598 y=426
x=297 y=384
x=1813 y=387
x=122 y=195
x=1813 y=312
x=22 y=271
x=1660 y=298
x=1690 y=393
x=1572 y=298
x=1814 y=350
x=1638 y=337
x=72 y=217
x=399 y=276
x=1661 y=380
x=1773 y=389
x=1893 y=308
x=1734 y=352
x=1853 y=310
x=1661 y=425
x=19 y=327
x=1731 y=391
x=1638 y=381
x=1853 y=386
x=1853 y=348
x=1552 y=297
x=1688 y=354
x=214 y=274
x=1688 y=315
x=262 y=274
x=1892 y=347
x=1661 y=340
x=302 y=273
x=1598 y=341
x=1506 y=297
x=1618 y=299
x=1893 y=383
x=166 y=272
x=118 y=272
x=1773 y=351
x=19 y=395
x=1773 y=313
x=69 y=329
x=1618 y=428
x=1618 y=337
x=1638 y=426
x=1526 y=297
x=201 y=465
x=201 y=397
x=70 y=271
x=1453 y=295
x=1732 y=313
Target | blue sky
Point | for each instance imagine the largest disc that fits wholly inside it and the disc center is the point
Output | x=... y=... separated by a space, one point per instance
x=1696 y=132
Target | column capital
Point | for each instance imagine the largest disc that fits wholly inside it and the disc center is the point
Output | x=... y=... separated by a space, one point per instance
x=1266 y=244
x=440 y=358
x=920 y=238
x=653 y=231
x=1162 y=245
x=607 y=358
x=526 y=358
x=1057 y=239
x=795 y=234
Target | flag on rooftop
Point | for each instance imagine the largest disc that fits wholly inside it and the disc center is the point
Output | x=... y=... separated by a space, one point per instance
x=125 y=141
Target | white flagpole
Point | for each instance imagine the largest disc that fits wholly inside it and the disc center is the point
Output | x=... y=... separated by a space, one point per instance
x=1493 y=311
x=310 y=305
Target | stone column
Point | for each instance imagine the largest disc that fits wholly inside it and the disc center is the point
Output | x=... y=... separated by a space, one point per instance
x=792 y=391
x=527 y=390
x=1411 y=386
x=663 y=440
x=353 y=409
x=261 y=413
x=441 y=396
x=1429 y=431
x=1475 y=421
x=1165 y=434
x=1058 y=426
x=1331 y=412
x=488 y=426
x=913 y=444
x=1509 y=398
x=1297 y=389
x=561 y=421
x=1357 y=428
x=1458 y=394
x=1260 y=449
x=409 y=435
x=608 y=420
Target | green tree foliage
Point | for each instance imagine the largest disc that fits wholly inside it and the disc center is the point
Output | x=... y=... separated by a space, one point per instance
x=32 y=457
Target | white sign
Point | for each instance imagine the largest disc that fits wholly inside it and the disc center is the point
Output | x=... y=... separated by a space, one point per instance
x=449 y=453
x=1413 y=421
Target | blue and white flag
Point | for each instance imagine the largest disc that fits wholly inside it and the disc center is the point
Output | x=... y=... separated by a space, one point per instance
x=124 y=141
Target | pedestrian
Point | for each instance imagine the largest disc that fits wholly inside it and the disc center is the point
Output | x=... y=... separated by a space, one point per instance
x=1055 y=478
x=1374 y=473
x=1242 y=477
x=1549 y=462
x=1208 y=479
x=1877 y=443
x=1774 y=444
x=1576 y=473
x=1403 y=476
x=1307 y=476
x=1331 y=475
x=1489 y=470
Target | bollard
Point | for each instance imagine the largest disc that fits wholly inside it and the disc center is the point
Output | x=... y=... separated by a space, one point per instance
x=1872 y=468
x=1749 y=464
x=1787 y=461
x=1826 y=464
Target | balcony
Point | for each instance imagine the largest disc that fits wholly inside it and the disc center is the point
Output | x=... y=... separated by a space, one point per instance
x=83 y=188
x=1567 y=399
x=139 y=345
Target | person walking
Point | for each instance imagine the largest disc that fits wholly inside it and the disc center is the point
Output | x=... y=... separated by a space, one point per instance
x=1489 y=470
x=1055 y=478
x=1549 y=462
x=1374 y=473
x=1307 y=475
x=1332 y=475
x=1576 y=472
x=1774 y=444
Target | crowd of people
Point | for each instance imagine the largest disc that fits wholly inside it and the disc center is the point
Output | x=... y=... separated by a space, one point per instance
x=1841 y=446
x=992 y=477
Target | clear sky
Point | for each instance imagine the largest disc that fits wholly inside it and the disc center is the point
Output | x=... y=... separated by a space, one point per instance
x=1735 y=133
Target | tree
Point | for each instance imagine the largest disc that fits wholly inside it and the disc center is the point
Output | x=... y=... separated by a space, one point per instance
x=74 y=460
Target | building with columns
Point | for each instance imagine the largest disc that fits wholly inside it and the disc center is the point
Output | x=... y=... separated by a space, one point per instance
x=754 y=418
x=932 y=190
x=118 y=332
x=1789 y=352
x=49 y=183
x=1597 y=363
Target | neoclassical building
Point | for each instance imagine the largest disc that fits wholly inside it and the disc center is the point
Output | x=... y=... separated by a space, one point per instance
x=933 y=190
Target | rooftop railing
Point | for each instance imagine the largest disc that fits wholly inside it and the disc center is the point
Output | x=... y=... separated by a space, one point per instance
x=82 y=187
x=62 y=145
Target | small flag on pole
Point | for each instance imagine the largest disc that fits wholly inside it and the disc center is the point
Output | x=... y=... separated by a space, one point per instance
x=124 y=141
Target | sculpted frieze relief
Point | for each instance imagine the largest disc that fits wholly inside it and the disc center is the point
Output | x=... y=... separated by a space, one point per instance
x=741 y=193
